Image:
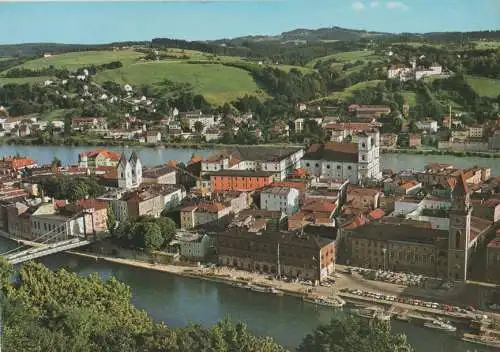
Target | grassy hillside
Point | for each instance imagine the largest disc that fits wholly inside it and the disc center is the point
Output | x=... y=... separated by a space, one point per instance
x=347 y=93
x=346 y=57
x=86 y=58
x=217 y=83
x=23 y=80
x=484 y=86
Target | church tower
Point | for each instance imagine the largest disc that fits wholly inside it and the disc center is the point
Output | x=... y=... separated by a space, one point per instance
x=136 y=166
x=459 y=231
x=124 y=173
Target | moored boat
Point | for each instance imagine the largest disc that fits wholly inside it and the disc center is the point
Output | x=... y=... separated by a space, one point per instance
x=439 y=324
x=329 y=302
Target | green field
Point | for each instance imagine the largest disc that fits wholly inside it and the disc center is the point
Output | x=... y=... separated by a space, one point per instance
x=484 y=86
x=23 y=80
x=348 y=56
x=347 y=93
x=410 y=97
x=217 y=83
x=81 y=59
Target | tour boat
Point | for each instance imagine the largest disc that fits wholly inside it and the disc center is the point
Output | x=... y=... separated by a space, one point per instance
x=440 y=325
x=321 y=301
x=257 y=288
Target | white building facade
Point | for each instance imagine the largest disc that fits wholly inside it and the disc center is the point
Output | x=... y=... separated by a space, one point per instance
x=346 y=161
x=282 y=199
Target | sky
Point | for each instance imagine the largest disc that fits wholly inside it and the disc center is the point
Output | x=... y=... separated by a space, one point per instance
x=102 y=22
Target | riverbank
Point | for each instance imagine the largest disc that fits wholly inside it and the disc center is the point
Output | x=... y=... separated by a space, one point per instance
x=86 y=142
x=456 y=153
x=202 y=285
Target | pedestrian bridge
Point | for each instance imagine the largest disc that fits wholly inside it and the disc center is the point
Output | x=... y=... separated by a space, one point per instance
x=54 y=241
x=46 y=249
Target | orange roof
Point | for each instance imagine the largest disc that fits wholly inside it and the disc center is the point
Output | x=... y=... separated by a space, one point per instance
x=376 y=214
x=211 y=207
x=320 y=206
x=92 y=204
x=409 y=184
x=362 y=191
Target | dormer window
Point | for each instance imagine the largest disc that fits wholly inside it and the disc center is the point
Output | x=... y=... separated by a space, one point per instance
x=363 y=145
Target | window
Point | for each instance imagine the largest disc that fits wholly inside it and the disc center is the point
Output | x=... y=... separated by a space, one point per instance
x=338 y=167
x=327 y=166
x=307 y=165
x=317 y=165
x=349 y=167
x=363 y=145
x=363 y=157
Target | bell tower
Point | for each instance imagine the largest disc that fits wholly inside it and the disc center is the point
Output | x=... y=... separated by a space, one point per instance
x=459 y=231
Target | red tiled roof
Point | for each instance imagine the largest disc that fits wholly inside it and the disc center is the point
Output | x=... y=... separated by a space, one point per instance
x=350 y=126
x=211 y=207
x=92 y=204
x=60 y=203
x=320 y=206
x=376 y=214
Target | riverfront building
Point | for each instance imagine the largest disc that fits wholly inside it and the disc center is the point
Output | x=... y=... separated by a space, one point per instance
x=278 y=162
x=346 y=161
x=439 y=242
x=290 y=254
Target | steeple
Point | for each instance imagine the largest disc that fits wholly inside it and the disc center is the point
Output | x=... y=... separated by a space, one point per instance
x=460 y=193
x=123 y=160
x=133 y=158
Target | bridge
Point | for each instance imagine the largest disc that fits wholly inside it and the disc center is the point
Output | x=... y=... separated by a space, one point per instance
x=54 y=241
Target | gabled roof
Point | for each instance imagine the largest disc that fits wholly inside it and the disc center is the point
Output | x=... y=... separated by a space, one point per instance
x=123 y=160
x=133 y=157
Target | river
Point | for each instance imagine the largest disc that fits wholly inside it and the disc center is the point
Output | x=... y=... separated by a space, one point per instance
x=178 y=301
x=156 y=156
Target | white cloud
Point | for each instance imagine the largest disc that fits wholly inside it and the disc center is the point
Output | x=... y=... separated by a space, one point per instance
x=358 y=6
x=374 y=4
x=396 y=5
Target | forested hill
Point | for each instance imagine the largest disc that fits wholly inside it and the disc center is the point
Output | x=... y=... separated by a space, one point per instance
x=258 y=45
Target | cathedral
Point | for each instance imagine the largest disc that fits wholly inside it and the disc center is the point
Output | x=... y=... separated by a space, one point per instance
x=129 y=171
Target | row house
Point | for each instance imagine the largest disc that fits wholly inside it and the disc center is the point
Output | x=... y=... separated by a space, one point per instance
x=285 y=199
x=78 y=123
x=98 y=158
x=279 y=161
x=163 y=175
x=9 y=164
x=240 y=180
x=203 y=213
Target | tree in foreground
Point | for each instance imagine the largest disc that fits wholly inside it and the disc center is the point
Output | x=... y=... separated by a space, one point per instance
x=353 y=334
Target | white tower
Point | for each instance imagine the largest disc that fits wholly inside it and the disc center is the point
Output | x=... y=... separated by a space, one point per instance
x=124 y=173
x=364 y=155
x=136 y=167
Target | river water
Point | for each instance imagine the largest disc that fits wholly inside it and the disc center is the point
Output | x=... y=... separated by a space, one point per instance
x=178 y=301
x=150 y=156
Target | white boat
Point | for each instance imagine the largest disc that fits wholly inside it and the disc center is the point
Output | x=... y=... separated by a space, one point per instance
x=440 y=325
x=321 y=301
x=256 y=288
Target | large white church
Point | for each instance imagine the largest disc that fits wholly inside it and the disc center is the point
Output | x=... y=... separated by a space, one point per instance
x=346 y=161
x=129 y=172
